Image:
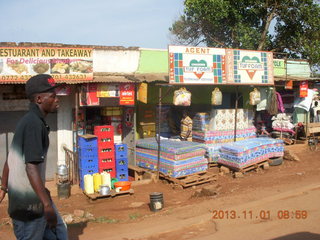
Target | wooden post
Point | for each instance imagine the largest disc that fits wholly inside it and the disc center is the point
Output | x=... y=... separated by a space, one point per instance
x=159 y=131
x=235 y=114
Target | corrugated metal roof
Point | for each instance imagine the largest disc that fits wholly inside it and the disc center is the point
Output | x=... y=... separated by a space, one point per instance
x=149 y=77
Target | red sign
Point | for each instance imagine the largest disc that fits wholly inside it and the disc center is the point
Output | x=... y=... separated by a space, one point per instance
x=289 y=85
x=304 y=89
x=127 y=94
x=88 y=95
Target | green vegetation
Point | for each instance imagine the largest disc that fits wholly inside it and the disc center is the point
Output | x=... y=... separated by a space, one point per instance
x=285 y=26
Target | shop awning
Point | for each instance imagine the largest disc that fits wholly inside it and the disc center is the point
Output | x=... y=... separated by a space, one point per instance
x=295 y=78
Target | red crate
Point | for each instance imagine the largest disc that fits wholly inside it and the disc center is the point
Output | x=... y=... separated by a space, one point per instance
x=111 y=170
x=106 y=162
x=105 y=142
x=106 y=165
x=106 y=151
x=105 y=130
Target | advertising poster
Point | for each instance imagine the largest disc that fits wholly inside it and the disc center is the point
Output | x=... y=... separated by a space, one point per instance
x=279 y=67
x=108 y=90
x=127 y=94
x=304 y=89
x=249 y=67
x=18 y=64
x=289 y=85
x=196 y=65
x=143 y=93
x=202 y=65
x=88 y=95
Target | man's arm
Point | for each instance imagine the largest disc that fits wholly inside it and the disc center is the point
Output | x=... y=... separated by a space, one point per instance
x=4 y=181
x=39 y=188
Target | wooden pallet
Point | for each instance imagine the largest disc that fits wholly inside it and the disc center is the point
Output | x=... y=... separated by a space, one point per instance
x=238 y=171
x=191 y=180
x=212 y=165
x=112 y=194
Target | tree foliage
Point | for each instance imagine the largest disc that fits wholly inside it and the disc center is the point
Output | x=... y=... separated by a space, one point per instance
x=285 y=26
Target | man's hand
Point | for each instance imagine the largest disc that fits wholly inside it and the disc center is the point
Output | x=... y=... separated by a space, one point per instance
x=50 y=216
x=2 y=195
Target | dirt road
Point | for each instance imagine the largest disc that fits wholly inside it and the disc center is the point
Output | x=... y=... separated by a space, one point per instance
x=294 y=214
x=258 y=206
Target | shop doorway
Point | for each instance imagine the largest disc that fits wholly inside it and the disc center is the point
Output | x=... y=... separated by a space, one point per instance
x=8 y=124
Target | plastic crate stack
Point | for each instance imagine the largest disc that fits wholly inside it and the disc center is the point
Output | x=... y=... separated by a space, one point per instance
x=88 y=156
x=122 y=171
x=106 y=156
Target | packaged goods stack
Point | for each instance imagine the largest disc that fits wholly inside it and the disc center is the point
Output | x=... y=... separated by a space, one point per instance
x=247 y=152
x=122 y=171
x=213 y=151
x=88 y=156
x=177 y=158
x=218 y=128
x=221 y=127
x=106 y=157
x=201 y=122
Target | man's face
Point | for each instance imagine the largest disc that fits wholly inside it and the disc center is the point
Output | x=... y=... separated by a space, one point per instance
x=49 y=102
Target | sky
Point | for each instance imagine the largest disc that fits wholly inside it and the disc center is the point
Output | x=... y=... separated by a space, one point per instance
x=127 y=23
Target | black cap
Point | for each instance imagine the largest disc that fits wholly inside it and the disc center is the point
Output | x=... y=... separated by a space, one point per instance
x=40 y=83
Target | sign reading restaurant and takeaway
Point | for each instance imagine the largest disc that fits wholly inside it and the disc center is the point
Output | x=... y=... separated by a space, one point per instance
x=18 y=64
x=202 y=65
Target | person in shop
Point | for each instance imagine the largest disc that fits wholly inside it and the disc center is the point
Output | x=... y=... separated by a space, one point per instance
x=262 y=130
x=186 y=127
x=315 y=112
x=34 y=215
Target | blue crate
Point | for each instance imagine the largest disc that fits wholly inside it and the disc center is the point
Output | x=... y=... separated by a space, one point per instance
x=122 y=175
x=88 y=163
x=84 y=171
x=88 y=153
x=81 y=182
x=87 y=142
x=121 y=163
x=121 y=150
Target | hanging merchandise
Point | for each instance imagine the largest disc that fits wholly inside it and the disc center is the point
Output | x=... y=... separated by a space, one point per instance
x=216 y=97
x=272 y=103
x=254 y=97
x=262 y=105
x=182 y=97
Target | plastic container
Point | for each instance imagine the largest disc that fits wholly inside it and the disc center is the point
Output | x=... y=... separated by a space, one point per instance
x=156 y=201
x=125 y=185
x=64 y=190
x=97 y=180
x=113 y=181
x=88 y=184
x=106 y=179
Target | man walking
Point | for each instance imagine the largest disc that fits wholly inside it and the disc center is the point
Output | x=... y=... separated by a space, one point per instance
x=33 y=213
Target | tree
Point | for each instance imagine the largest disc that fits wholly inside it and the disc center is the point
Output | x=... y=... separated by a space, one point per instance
x=285 y=26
